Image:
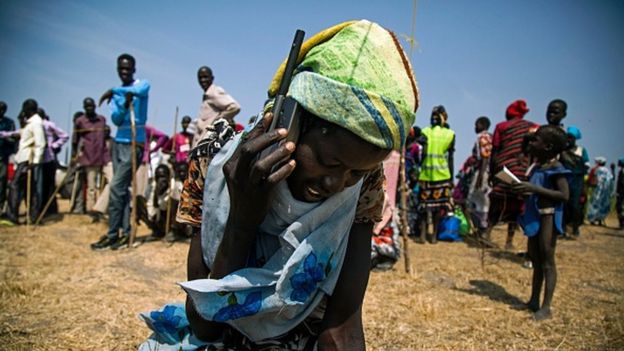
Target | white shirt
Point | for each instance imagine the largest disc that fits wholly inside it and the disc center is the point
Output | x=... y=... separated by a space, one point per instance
x=32 y=141
x=217 y=104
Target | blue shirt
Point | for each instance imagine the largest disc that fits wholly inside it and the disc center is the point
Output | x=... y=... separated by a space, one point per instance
x=121 y=116
x=530 y=219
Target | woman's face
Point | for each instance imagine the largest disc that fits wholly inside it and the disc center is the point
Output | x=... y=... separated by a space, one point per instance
x=330 y=160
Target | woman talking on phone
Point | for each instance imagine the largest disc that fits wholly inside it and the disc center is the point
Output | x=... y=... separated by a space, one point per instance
x=282 y=255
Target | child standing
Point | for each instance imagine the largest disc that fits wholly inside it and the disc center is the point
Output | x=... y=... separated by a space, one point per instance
x=542 y=219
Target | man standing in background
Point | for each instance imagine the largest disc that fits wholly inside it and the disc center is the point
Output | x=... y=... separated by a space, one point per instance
x=556 y=112
x=216 y=103
x=29 y=156
x=132 y=92
x=182 y=147
x=7 y=148
x=90 y=133
x=55 y=139
x=619 y=192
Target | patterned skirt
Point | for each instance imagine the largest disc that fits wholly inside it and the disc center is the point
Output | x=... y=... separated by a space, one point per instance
x=435 y=196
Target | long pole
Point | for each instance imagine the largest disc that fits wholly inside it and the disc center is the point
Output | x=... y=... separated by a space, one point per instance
x=74 y=193
x=28 y=194
x=403 y=214
x=70 y=124
x=402 y=176
x=172 y=182
x=133 y=144
x=70 y=159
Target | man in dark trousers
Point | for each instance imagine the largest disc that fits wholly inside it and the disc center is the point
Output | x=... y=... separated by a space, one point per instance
x=133 y=91
x=29 y=156
x=93 y=155
x=7 y=148
x=619 y=189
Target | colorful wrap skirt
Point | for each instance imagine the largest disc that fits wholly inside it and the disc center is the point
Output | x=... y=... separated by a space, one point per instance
x=435 y=196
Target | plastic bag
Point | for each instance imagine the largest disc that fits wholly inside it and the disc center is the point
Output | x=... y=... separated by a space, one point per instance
x=448 y=229
x=464 y=227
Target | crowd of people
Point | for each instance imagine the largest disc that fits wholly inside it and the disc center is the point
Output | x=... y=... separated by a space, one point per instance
x=99 y=173
x=311 y=215
x=485 y=197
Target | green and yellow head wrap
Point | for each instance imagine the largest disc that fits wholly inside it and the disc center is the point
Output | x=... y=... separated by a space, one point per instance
x=357 y=76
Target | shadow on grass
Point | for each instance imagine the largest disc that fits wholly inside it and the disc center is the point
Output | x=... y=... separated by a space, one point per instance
x=492 y=291
x=52 y=218
x=612 y=232
x=514 y=257
x=475 y=242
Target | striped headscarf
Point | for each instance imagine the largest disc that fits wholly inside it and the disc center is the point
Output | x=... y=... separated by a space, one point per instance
x=357 y=76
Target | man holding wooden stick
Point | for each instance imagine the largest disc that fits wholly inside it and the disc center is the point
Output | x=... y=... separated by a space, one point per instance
x=128 y=145
x=29 y=156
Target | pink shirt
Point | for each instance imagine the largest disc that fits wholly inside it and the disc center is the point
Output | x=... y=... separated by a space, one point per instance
x=182 y=146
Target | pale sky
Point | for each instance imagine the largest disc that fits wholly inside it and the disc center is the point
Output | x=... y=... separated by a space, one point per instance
x=473 y=57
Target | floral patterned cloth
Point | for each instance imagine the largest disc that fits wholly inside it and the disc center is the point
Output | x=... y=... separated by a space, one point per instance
x=172 y=332
x=600 y=201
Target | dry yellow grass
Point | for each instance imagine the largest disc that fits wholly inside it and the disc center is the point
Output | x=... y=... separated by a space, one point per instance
x=56 y=294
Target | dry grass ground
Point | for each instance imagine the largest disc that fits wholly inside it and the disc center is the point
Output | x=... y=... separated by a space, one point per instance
x=56 y=294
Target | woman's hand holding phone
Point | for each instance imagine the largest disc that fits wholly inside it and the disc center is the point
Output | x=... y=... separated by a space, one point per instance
x=250 y=178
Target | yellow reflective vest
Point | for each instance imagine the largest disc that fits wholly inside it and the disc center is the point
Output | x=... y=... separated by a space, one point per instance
x=435 y=164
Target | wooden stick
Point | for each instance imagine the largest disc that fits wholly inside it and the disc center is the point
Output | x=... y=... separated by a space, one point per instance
x=403 y=212
x=402 y=177
x=28 y=193
x=133 y=218
x=58 y=188
x=172 y=182
x=69 y=169
x=74 y=193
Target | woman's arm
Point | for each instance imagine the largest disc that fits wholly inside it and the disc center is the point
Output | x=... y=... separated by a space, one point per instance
x=250 y=181
x=342 y=324
x=450 y=153
x=196 y=269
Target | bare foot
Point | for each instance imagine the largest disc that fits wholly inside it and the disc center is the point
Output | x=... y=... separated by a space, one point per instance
x=542 y=314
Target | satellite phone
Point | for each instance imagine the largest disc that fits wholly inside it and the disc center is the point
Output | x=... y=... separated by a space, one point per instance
x=286 y=111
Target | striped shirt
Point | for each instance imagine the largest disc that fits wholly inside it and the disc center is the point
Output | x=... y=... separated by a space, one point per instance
x=507 y=150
